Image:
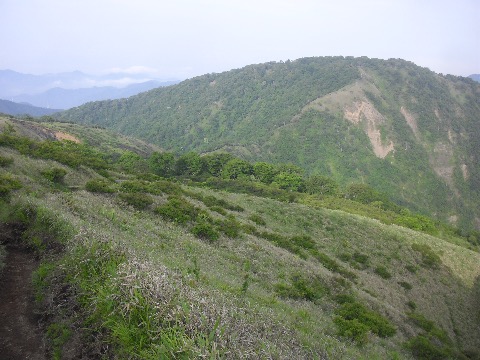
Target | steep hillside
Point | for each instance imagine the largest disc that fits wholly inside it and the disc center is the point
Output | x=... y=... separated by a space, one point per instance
x=137 y=266
x=405 y=130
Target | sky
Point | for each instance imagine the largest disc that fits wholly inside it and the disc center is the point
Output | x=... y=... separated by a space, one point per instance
x=179 y=39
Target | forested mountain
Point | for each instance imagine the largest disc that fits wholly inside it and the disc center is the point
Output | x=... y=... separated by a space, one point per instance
x=13 y=108
x=403 y=129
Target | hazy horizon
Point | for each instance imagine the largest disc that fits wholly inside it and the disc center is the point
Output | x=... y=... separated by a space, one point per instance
x=183 y=39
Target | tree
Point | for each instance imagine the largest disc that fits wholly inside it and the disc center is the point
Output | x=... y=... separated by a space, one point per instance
x=132 y=162
x=236 y=168
x=189 y=164
x=288 y=181
x=322 y=185
x=214 y=163
x=162 y=164
x=264 y=172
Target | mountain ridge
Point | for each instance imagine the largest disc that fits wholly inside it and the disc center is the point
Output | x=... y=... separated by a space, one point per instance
x=399 y=127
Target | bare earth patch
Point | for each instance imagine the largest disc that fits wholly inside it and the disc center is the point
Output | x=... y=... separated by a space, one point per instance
x=64 y=136
x=20 y=336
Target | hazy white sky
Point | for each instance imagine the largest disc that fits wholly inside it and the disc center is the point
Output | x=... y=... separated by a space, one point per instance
x=185 y=38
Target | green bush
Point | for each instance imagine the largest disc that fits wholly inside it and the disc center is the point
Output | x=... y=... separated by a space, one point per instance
x=8 y=183
x=135 y=186
x=353 y=313
x=257 y=219
x=55 y=175
x=405 y=285
x=429 y=258
x=303 y=287
x=204 y=230
x=352 y=329
x=178 y=209
x=230 y=226
x=99 y=186
x=5 y=161
x=423 y=348
x=138 y=200
x=165 y=186
x=382 y=272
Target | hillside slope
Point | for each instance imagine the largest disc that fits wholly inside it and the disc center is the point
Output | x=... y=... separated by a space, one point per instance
x=401 y=128
x=131 y=268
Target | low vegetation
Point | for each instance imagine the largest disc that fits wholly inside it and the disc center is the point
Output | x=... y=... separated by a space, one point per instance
x=164 y=265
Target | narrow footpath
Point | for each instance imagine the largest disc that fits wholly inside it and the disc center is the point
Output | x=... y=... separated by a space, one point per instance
x=20 y=338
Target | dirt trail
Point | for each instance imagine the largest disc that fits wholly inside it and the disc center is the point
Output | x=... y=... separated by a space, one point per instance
x=20 y=337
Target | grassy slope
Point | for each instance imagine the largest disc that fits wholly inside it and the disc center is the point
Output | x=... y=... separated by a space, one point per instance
x=174 y=269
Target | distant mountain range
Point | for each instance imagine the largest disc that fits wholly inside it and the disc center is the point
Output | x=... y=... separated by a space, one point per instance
x=66 y=90
x=12 y=108
x=475 y=77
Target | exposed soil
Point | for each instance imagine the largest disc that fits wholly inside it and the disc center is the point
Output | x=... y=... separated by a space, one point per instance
x=20 y=336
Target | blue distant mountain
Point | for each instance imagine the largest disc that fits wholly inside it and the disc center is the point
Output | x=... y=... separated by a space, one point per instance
x=67 y=98
x=12 y=108
x=475 y=77
x=70 y=89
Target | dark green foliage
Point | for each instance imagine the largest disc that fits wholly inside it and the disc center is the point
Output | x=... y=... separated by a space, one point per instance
x=132 y=162
x=214 y=163
x=344 y=298
x=332 y=265
x=405 y=285
x=237 y=169
x=5 y=161
x=211 y=201
x=257 y=219
x=351 y=314
x=8 y=183
x=363 y=193
x=189 y=164
x=178 y=209
x=303 y=287
x=321 y=185
x=289 y=181
x=135 y=186
x=264 y=172
x=411 y=304
x=162 y=164
x=417 y=222
x=55 y=174
x=230 y=226
x=204 y=230
x=138 y=200
x=422 y=347
x=99 y=186
x=164 y=186
x=218 y=209
x=382 y=272
x=429 y=258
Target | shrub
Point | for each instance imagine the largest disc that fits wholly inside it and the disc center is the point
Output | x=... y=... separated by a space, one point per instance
x=257 y=219
x=55 y=175
x=178 y=209
x=219 y=210
x=137 y=200
x=374 y=322
x=134 y=186
x=422 y=348
x=165 y=186
x=429 y=258
x=4 y=161
x=405 y=285
x=411 y=304
x=303 y=287
x=352 y=329
x=230 y=226
x=99 y=186
x=382 y=272
x=205 y=231
x=8 y=183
